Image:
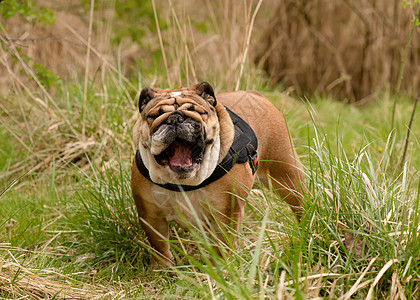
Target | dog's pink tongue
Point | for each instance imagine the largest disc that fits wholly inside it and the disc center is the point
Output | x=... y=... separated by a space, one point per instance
x=181 y=155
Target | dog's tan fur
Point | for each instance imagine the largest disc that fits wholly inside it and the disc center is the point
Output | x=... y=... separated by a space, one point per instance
x=278 y=163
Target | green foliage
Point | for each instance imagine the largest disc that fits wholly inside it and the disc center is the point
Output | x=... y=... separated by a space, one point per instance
x=410 y=3
x=47 y=77
x=28 y=10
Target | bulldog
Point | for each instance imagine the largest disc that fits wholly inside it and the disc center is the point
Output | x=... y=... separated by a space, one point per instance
x=199 y=154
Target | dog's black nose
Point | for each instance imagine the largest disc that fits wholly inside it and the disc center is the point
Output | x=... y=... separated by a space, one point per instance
x=176 y=117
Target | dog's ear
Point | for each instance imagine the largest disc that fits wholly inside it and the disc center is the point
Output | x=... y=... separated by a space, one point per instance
x=145 y=96
x=206 y=92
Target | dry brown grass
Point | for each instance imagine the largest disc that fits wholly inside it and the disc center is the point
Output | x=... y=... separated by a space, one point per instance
x=346 y=49
x=32 y=112
x=216 y=53
x=20 y=281
x=55 y=46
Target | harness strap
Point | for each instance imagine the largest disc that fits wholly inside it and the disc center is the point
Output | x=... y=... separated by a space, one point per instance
x=243 y=149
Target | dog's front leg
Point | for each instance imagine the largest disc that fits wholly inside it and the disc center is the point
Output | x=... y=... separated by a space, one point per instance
x=157 y=231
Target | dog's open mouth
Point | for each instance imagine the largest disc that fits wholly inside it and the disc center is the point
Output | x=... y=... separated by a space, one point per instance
x=181 y=156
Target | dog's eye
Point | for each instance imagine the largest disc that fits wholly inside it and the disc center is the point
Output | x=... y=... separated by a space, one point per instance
x=154 y=114
x=198 y=110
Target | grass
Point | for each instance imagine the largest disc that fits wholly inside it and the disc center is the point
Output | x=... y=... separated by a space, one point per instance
x=81 y=221
x=358 y=236
x=68 y=223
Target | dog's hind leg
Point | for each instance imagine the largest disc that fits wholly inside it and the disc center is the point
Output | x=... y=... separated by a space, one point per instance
x=288 y=181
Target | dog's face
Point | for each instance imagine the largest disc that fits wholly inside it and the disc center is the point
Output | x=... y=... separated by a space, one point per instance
x=178 y=134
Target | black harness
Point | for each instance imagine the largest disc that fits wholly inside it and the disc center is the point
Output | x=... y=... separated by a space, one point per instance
x=243 y=149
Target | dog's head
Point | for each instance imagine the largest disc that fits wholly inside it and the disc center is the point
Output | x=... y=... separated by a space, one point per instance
x=178 y=133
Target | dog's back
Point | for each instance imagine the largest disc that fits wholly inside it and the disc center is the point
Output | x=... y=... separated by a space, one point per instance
x=277 y=157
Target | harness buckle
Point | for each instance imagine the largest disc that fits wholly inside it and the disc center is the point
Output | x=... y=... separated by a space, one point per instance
x=252 y=158
x=253 y=161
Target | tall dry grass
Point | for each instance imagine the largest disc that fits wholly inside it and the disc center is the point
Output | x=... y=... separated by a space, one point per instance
x=209 y=40
x=202 y=40
x=346 y=49
x=45 y=110
x=67 y=103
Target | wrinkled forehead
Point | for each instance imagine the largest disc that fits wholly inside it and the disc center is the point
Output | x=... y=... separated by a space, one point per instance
x=165 y=102
x=179 y=98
